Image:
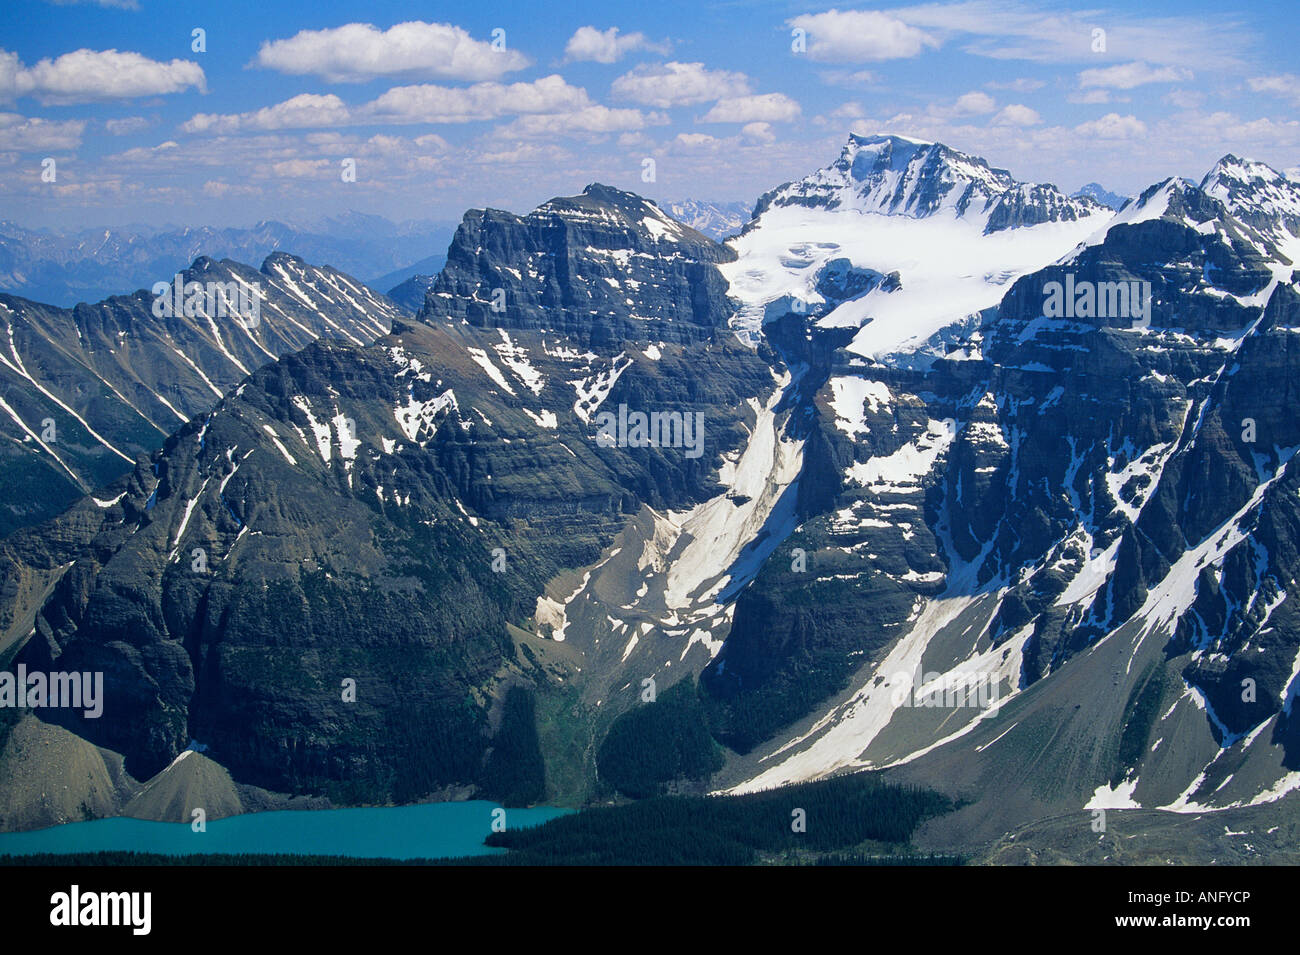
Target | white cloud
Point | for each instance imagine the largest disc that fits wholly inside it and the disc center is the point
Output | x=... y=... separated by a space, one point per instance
x=759 y=132
x=1113 y=126
x=974 y=104
x=442 y=104
x=694 y=140
x=304 y=111
x=678 y=84
x=1127 y=76
x=1017 y=30
x=765 y=107
x=403 y=104
x=1017 y=115
x=1286 y=85
x=304 y=169
x=86 y=76
x=591 y=120
x=856 y=36
x=606 y=46
x=31 y=134
x=358 y=52
x=126 y=125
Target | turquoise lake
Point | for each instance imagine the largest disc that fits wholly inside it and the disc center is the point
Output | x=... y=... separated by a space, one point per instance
x=436 y=830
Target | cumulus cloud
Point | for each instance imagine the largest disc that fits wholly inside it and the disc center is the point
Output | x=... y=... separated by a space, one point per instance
x=1126 y=76
x=303 y=111
x=403 y=104
x=86 y=76
x=763 y=108
x=30 y=134
x=1017 y=115
x=678 y=84
x=606 y=46
x=759 y=132
x=855 y=36
x=1113 y=126
x=358 y=52
x=974 y=104
x=442 y=104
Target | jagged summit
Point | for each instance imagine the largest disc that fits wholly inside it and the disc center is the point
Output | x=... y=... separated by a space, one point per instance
x=1257 y=194
x=605 y=266
x=896 y=175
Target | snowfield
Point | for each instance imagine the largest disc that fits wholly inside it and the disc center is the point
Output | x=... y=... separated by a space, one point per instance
x=950 y=269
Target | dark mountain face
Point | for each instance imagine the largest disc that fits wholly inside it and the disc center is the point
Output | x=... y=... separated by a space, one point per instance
x=87 y=390
x=600 y=268
x=343 y=505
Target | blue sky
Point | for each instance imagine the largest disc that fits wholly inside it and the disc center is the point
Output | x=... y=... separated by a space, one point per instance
x=143 y=128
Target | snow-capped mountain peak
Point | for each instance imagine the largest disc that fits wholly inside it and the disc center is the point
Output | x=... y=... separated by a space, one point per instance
x=1257 y=194
x=931 y=235
x=896 y=175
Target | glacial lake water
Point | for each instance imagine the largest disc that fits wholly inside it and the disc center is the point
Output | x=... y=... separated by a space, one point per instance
x=435 y=830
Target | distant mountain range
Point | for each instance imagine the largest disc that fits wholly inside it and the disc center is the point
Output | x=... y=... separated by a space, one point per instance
x=92 y=264
x=1099 y=193
x=717 y=220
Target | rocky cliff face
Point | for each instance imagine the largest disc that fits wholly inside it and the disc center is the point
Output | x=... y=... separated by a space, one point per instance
x=337 y=516
x=84 y=391
x=600 y=268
